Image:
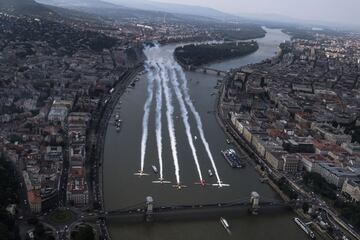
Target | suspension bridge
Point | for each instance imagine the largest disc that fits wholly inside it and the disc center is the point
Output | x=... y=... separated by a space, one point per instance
x=150 y=211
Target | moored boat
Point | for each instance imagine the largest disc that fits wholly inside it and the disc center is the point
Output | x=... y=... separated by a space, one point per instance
x=305 y=228
x=154 y=169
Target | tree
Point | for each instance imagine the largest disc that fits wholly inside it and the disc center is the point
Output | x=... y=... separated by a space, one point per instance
x=85 y=232
x=305 y=207
x=33 y=220
x=8 y=195
x=39 y=231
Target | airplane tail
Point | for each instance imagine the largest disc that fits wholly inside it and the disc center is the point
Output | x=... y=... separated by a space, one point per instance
x=161 y=181
x=220 y=185
x=141 y=173
x=202 y=183
x=179 y=186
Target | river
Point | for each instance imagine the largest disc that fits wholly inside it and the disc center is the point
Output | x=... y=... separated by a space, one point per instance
x=122 y=156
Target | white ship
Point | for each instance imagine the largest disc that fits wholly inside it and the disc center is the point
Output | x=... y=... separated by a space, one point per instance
x=305 y=228
x=154 y=169
x=225 y=223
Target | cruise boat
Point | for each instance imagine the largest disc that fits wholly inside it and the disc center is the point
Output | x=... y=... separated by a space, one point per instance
x=305 y=228
x=233 y=158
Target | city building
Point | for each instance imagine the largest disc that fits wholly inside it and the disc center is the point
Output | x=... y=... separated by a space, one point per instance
x=335 y=174
x=292 y=163
x=77 y=190
x=34 y=200
x=351 y=189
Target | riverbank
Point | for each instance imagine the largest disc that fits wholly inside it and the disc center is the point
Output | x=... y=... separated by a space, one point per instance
x=241 y=146
x=100 y=135
x=119 y=90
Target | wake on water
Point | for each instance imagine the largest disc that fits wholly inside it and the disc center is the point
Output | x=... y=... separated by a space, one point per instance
x=166 y=70
x=145 y=122
x=185 y=117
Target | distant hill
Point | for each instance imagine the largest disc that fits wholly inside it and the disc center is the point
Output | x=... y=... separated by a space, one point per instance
x=25 y=7
x=79 y=3
x=115 y=10
x=173 y=8
x=144 y=5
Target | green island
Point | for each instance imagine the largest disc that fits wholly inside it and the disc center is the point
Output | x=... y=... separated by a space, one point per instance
x=244 y=32
x=197 y=55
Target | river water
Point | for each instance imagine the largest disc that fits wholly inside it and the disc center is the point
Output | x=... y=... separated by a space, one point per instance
x=122 y=158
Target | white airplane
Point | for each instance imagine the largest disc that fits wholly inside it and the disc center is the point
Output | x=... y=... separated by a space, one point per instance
x=220 y=185
x=179 y=186
x=161 y=181
x=141 y=173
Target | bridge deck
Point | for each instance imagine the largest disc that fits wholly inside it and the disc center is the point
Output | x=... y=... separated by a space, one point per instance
x=193 y=212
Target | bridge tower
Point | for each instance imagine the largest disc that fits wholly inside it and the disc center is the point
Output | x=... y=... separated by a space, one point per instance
x=254 y=201
x=149 y=209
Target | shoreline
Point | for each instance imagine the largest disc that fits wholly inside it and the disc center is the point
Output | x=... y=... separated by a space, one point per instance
x=240 y=147
x=245 y=147
x=101 y=130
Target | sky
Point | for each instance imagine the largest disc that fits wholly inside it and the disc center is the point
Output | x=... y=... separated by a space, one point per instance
x=333 y=11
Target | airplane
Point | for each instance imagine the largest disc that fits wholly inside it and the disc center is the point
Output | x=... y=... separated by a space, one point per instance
x=179 y=186
x=141 y=173
x=202 y=183
x=220 y=185
x=161 y=181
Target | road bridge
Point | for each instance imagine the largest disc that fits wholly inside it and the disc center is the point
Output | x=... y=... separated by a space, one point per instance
x=207 y=70
x=149 y=211
x=204 y=69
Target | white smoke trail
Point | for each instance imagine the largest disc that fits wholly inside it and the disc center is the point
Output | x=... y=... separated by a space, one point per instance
x=170 y=119
x=197 y=119
x=158 y=127
x=145 y=122
x=185 y=118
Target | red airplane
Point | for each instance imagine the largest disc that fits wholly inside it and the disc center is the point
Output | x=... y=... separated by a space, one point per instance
x=202 y=183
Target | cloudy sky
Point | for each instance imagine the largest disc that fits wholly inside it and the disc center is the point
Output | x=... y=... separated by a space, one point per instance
x=335 y=11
